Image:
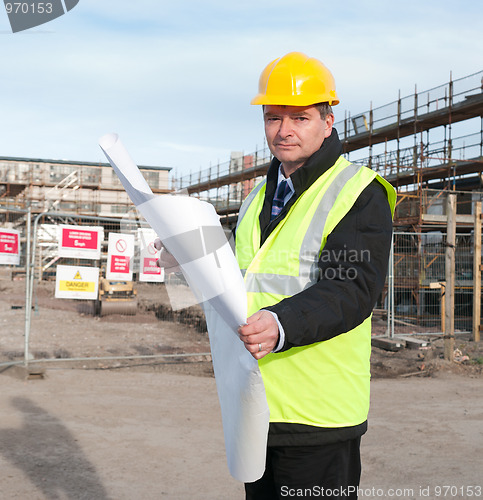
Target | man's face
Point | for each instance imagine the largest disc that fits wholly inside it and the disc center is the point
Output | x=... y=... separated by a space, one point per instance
x=295 y=133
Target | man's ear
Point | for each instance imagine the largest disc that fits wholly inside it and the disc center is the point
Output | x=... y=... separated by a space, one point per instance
x=329 y=123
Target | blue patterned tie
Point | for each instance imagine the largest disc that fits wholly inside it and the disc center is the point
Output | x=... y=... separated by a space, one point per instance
x=277 y=204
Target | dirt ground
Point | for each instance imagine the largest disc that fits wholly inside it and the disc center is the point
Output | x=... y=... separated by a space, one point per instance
x=148 y=428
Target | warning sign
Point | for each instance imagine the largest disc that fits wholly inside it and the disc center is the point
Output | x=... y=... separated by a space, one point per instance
x=149 y=271
x=74 y=282
x=121 y=245
x=9 y=247
x=120 y=253
x=81 y=242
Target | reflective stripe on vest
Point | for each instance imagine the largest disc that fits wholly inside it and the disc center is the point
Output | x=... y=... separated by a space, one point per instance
x=248 y=200
x=308 y=256
x=325 y=384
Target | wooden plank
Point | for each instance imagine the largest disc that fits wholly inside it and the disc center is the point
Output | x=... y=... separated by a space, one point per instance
x=450 y=277
x=442 y=219
x=477 y=272
x=388 y=344
x=413 y=343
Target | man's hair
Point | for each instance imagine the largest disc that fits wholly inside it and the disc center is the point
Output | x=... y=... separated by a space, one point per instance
x=324 y=109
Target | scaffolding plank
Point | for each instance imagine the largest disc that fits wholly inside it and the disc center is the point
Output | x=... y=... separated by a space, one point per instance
x=388 y=344
x=413 y=343
x=442 y=219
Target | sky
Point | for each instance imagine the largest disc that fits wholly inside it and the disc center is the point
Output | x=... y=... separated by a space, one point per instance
x=175 y=79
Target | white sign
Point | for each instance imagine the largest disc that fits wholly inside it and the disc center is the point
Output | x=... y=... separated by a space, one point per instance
x=76 y=282
x=148 y=270
x=120 y=253
x=9 y=247
x=80 y=242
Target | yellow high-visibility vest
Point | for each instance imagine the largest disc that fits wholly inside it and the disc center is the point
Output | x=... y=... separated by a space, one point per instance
x=325 y=384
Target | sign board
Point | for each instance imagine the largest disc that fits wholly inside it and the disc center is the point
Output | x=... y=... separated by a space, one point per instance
x=148 y=270
x=80 y=242
x=76 y=282
x=120 y=253
x=9 y=247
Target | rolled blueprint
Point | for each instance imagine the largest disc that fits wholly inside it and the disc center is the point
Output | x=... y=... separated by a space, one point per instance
x=191 y=231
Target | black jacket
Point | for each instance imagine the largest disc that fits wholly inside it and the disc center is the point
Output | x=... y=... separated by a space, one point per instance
x=353 y=267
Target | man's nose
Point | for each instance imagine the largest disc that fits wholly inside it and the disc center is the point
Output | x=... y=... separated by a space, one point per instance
x=285 y=129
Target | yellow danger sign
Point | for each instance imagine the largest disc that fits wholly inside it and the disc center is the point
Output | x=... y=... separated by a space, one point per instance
x=76 y=282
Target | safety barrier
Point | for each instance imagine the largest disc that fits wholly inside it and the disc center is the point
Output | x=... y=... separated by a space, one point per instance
x=39 y=326
x=416 y=277
x=59 y=304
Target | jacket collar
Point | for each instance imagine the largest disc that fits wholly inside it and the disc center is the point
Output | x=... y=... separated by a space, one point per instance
x=314 y=167
x=302 y=179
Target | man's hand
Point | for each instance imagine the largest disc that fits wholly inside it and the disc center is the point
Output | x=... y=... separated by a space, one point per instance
x=165 y=260
x=260 y=334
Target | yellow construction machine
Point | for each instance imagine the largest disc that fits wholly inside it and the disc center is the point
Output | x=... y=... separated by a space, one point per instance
x=116 y=297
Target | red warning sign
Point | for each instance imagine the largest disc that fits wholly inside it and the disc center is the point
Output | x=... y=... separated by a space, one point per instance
x=150 y=266
x=120 y=264
x=9 y=247
x=120 y=252
x=77 y=238
x=80 y=241
x=148 y=269
x=8 y=242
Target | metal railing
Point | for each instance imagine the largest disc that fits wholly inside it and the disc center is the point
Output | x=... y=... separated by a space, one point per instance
x=258 y=158
x=411 y=107
x=394 y=162
x=404 y=161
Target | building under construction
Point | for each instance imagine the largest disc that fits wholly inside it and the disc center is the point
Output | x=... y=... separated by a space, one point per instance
x=75 y=187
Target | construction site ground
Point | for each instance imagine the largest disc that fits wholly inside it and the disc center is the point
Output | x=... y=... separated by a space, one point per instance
x=147 y=428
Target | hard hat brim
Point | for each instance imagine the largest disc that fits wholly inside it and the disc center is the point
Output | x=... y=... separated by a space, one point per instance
x=297 y=100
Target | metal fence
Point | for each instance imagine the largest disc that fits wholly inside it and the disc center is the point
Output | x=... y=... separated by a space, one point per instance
x=417 y=269
x=14 y=318
x=36 y=325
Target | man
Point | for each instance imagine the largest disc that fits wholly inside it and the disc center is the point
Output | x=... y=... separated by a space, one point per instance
x=313 y=243
x=314 y=250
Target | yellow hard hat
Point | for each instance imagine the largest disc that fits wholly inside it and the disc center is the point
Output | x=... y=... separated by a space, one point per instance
x=296 y=80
